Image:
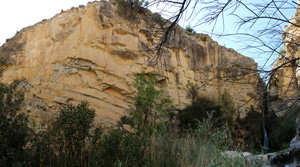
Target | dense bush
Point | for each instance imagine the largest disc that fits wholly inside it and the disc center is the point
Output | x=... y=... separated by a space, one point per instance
x=158 y=19
x=121 y=149
x=282 y=129
x=190 y=30
x=197 y=111
x=200 y=107
x=131 y=7
x=246 y=133
x=201 y=148
x=72 y=127
x=151 y=107
x=40 y=152
x=14 y=126
x=253 y=125
x=67 y=141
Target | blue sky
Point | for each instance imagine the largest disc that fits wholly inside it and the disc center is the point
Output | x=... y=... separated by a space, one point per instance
x=228 y=24
x=17 y=14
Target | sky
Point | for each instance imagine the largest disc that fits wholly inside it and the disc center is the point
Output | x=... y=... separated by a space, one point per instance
x=18 y=14
x=229 y=24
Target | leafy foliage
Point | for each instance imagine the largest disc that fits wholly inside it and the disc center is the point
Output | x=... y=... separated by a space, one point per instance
x=198 y=110
x=14 y=126
x=190 y=30
x=282 y=129
x=73 y=125
x=72 y=129
x=151 y=108
x=207 y=131
x=131 y=7
x=200 y=107
x=158 y=19
x=121 y=149
x=40 y=152
x=200 y=148
x=227 y=107
x=68 y=140
x=252 y=123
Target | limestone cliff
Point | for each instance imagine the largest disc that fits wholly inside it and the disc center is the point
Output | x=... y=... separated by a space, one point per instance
x=91 y=53
x=284 y=83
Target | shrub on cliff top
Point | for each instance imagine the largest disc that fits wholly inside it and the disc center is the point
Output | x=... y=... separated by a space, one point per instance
x=158 y=19
x=130 y=7
x=190 y=30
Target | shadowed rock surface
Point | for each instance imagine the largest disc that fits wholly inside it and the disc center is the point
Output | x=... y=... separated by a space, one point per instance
x=284 y=84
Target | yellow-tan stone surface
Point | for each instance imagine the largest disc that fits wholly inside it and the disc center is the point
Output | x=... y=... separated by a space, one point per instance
x=284 y=85
x=91 y=53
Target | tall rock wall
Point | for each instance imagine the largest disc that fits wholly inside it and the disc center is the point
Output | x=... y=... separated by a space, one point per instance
x=284 y=83
x=91 y=53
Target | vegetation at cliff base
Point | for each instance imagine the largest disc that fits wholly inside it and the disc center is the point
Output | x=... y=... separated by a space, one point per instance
x=282 y=129
x=14 y=125
x=72 y=139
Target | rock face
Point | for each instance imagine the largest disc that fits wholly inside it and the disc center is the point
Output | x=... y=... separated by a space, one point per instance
x=92 y=53
x=284 y=85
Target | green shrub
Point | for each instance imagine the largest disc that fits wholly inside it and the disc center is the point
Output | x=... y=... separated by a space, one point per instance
x=223 y=114
x=190 y=30
x=71 y=130
x=41 y=152
x=151 y=108
x=227 y=108
x=202 y=148
x=200 y=107
x=14 y=125
x=130 y=7
x=206 y=131
x=197 y=111
x=121 y=149
x=192 y=92
x=158 y=19
x=252 y=123
x=67 y=141
x=282 y=129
